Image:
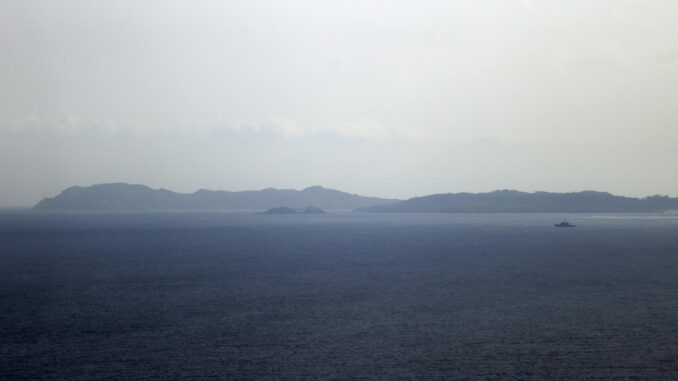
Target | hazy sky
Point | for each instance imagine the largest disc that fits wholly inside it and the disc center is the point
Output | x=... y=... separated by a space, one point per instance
x=380 y=98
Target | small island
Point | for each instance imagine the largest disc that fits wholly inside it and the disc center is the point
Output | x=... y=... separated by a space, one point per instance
x=281 y=210
x=286 y=210
x=312 y=210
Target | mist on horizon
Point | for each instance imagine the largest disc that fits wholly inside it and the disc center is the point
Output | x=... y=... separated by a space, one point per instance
x=386 y=99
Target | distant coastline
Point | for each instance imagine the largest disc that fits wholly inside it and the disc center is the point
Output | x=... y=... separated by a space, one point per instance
x=122 y=196
x=510 y=201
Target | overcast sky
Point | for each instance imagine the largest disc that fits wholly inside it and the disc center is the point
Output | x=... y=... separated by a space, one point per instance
x=380 y=98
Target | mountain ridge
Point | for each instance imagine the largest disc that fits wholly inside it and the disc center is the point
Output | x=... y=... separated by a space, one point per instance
x=512 y=201
x=123 y=196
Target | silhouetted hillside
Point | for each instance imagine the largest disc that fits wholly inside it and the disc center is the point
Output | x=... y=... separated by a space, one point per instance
x=121 y=196
x=508 y=201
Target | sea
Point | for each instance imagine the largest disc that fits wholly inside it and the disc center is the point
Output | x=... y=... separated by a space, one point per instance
x=240 y=295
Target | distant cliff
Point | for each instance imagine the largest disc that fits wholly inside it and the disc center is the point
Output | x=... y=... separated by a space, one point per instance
x=121 y=196
x=508 y=201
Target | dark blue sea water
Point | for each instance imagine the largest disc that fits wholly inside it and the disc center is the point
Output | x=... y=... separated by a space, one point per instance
x=241 y=296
